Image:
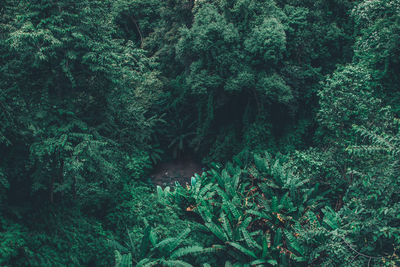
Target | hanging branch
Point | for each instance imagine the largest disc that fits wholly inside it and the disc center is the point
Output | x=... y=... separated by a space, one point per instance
x=138 y=29
x=357 y=252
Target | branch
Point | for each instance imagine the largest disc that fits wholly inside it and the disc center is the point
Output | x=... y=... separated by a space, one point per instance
x=138 y=29
x=357 y=252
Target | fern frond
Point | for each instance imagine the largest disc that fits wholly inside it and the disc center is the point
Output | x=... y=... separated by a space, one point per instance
x=204 y=211
x=124 y=260
x=246 y=223
x=266 y=238
x=160 y=194
x=226 y=225
x=147 y=263
x=236 y=180
x=274 y=204
x=216 y=231
x=190 y=250
x=117 y=246
x=179 y=239
x=205 y=189
x=261 y=163
x=175 y=263
x=262 y=262
x=232 y=208
x=293 y=242
x=381 y=142
x=170 y=244
x=249 y=240
x=260 y=214
x=243 y=249
x=144 y=246
x=330 y=218
x=278 y=237
x=164 y=243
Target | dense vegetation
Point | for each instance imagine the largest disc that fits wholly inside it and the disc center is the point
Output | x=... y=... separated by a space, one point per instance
x=293 y=105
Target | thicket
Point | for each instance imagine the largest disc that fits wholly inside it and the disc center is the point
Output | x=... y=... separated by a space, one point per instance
x=293 y=106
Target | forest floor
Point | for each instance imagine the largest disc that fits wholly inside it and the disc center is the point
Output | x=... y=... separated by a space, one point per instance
x=167 y=173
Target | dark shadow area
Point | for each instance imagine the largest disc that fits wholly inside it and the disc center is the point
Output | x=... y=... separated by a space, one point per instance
x=178 y=170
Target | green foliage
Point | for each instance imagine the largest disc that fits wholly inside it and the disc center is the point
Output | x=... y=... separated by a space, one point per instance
x=267 y=41
x=124 y=260
x=77 y=109
x=240 y=65
x=11 y=241
x=347 y=99
x=166 y=252
x=137 y=207
x=250 y=212
x=95 y=93
x=137 y=165
x=364 y=227
x=57 y=238
x=377 y=45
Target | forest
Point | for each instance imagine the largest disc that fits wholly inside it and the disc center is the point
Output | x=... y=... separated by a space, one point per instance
x=199 y=133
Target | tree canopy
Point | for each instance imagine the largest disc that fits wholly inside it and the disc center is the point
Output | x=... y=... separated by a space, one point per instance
x=291 y=106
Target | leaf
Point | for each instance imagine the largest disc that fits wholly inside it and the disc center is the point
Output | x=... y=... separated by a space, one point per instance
x=272 y=262
x=175 y=263
x=226 y=225
x=232 y=208
x=205 y=189
x=265 y=240
x=170 y=244
x=330 y=218
x=124 y=260
x=204 y=211
x=292 y=242
x=249 y=240
x=147 y=263
x=193 y=181
x=278 y=237
x=160 y=194
x=164 y=244
x=260 y=214
x=118 y=247
x=144 y=246
x=261 y=163
x=274 y=204
x=261 y=262
x=216 y=231
x=190 y=250
x=243 y=249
